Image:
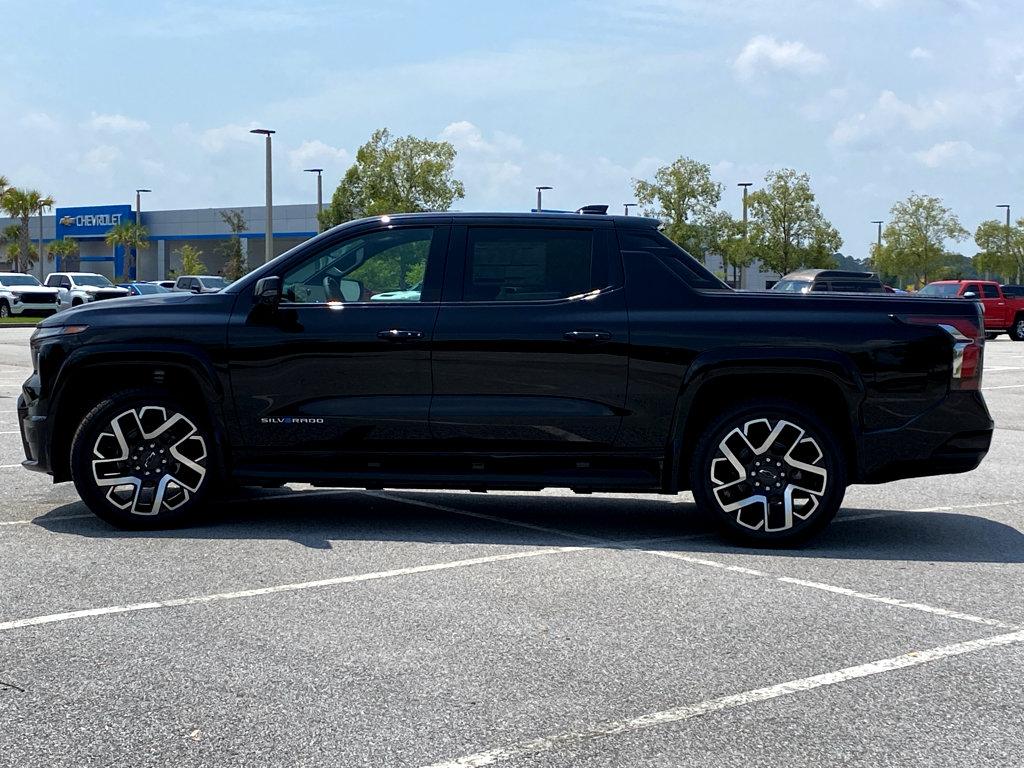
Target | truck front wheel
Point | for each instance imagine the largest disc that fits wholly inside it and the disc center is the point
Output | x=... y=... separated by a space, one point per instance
x=770 y=472
x=1017 y=329
x=141 y=460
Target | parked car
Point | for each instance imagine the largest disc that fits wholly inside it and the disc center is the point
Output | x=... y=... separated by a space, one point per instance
x=143 y=289
x=841 y=281
x=162 y=283
x=20 y=294
x=1004 y=314
x=200 y=284
x=82 y=287
x=582 y=351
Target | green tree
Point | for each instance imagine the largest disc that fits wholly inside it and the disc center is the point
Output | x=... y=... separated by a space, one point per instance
x=395 y=175
x=11 y=237
x=132 y=238
x=787 y=226
x=914 y=241
x=999 y=251
x=234 y=257
x=22 y=204
x=730 y=241
x=684 y=196
x=67 y=250
x=191 y=261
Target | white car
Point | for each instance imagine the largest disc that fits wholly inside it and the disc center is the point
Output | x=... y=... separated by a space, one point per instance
x=80 y=287
x=23 y=293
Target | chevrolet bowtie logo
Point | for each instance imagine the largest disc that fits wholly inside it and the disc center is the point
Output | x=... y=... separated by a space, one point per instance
x=67 y=221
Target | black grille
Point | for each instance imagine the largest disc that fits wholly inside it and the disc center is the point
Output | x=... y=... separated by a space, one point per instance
x=110 y=294
x=29 y=297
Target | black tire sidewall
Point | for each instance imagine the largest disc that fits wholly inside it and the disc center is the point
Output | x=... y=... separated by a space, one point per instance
x=1014 y=335
x=5 y=309
x=833 y=460
x=96 y=421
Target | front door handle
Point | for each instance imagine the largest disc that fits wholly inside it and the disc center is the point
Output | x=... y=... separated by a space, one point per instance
x=587 y=336
x=399 y=335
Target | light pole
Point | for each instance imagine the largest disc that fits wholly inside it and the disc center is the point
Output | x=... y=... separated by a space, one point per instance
x=1007 y=245
x=138 y=223
x=627 y=206
x=42 y=265
x=744 y=185
x=539 y=190
x=879 y=223
x=268 y=236
x=319 y=193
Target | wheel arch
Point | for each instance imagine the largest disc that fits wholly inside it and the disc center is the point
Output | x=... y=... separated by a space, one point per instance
x=827 y=382
x=88 y=375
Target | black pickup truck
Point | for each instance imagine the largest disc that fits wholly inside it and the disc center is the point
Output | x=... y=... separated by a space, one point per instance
x=504 y=351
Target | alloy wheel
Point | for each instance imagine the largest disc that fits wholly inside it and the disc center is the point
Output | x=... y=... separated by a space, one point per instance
x=769 y=474
x=149 y=460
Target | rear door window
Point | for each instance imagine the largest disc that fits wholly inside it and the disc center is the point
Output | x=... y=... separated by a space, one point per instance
x=523 y=264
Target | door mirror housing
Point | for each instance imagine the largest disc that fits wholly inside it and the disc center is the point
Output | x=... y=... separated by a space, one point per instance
x=970 y=295
x=268 y=291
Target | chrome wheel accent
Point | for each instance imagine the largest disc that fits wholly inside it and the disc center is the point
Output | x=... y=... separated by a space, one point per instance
x=768 y=475
x=149 y=461
x=1020 y=328
x=5 y=311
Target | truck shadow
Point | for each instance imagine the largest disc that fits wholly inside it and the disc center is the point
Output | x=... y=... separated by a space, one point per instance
x=318 y=518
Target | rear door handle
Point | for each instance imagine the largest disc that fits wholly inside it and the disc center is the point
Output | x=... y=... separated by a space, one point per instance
x=399 y=335
x=587 y=336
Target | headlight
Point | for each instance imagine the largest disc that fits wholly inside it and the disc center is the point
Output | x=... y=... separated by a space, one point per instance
x=47 y=332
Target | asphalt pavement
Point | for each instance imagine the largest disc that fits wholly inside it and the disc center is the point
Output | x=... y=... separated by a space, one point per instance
x=333 y=627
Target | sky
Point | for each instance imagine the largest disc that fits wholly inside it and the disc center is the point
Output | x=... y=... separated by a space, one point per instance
x=874 y=99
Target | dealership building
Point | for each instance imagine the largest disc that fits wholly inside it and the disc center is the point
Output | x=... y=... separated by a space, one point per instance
x=169 y=231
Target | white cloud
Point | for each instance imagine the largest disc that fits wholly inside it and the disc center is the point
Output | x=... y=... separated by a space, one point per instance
x=215 y=140
x=99 y=159
x=764 y=52
x=39 y=121
x=920 y=53
x=334 y=160
x=115 y=123
x=957 y=154
x=888 y=114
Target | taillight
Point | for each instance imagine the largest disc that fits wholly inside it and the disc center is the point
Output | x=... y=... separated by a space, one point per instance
x=968 y=347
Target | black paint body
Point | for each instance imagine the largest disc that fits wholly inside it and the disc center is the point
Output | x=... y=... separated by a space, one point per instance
x=605 y=391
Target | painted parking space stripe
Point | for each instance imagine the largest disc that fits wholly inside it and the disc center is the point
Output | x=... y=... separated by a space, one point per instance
x=294 y=587
x=687 y=712
x=896 y=602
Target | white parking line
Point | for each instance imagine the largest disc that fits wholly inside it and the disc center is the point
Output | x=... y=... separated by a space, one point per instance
x=47 y=619
x=1004 y=387
x=46 y=520
x=948 y=613
x=687 y=712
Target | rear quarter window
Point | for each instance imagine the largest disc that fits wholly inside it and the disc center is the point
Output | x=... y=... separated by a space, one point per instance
x=678 y=260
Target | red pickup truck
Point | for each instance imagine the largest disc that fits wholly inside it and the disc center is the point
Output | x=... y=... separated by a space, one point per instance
x=1003 y=314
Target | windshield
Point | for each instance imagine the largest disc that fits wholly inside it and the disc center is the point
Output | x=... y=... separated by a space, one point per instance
x=792 y=286
x=91 y=280
x=213 y=282
x=940 y=289
x=18 y=280
x=147 y=288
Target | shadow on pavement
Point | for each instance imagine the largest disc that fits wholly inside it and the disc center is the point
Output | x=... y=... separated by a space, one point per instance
x=315 y=519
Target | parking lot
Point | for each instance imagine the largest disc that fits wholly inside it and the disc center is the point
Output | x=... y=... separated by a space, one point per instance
x=343 y=627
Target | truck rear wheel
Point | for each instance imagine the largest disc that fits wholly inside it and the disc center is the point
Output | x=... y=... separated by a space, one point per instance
x=1017 y=329
x=770 y=472
x=141 y=460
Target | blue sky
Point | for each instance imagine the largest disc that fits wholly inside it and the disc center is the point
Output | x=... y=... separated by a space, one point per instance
x=873 y=98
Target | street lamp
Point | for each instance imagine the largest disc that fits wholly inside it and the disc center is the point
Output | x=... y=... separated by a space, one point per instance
x=319 y=192
x=744 y=185
x=268 y=236
x=45 y=203
x=1007 y=246
x=879 y=223
x=138 y=223
x=539 y=190
x=627 y=206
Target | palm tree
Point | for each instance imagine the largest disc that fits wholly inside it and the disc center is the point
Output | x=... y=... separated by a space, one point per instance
x=67 y=250
x=21 y=204
x=4 y=184
x=133 y=238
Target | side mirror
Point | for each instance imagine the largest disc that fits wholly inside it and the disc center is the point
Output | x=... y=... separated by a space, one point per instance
x=970 y=295
x=268 y=291
x=196 y=290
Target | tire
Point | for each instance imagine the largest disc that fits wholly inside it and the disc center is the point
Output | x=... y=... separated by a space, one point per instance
x=1016 y=331
x=76 y=302
x=141 y=459
x=5 y=309
x=781 y=460
x=990 y=335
